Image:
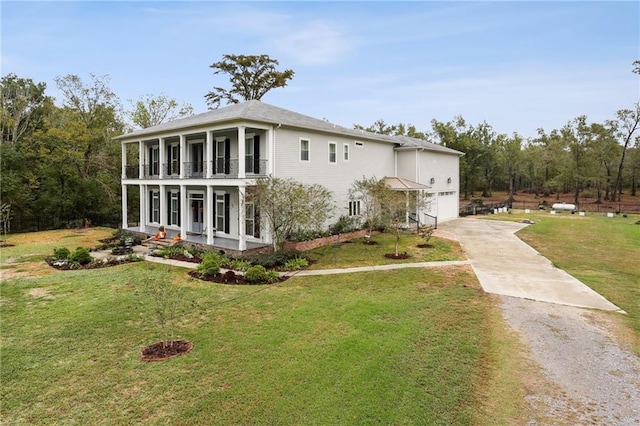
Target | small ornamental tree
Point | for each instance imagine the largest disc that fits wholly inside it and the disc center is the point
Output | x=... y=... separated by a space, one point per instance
x=5 y=219
x=365 y=191
x=288 y=205
x=167 y=298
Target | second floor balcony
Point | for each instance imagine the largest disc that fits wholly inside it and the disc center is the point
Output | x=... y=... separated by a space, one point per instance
x=220 y=169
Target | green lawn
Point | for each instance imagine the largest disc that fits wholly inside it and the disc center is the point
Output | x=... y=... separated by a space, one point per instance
x=602 y=252
x=408 y=346
x=356 y=253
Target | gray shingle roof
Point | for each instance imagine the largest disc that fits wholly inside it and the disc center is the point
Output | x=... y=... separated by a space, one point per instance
x=258 y=111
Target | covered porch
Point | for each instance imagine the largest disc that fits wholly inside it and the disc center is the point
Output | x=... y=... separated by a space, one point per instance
x=219 y=243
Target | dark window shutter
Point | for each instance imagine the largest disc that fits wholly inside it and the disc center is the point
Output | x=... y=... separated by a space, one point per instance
x=150 y=162
x=227 y=220
x=227 y=155
x=179 y=209
x=169 y=207
x=150 y=200
x=256 y=222
x=214 y=156
x=168 y=159
x=256 y=154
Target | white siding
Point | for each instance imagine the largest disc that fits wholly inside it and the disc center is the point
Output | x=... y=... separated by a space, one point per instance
x=373 y=159
x=441 y=167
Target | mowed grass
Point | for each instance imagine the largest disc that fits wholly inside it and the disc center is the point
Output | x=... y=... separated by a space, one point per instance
x=356 y=253
x=602 y=252
x=410 y=346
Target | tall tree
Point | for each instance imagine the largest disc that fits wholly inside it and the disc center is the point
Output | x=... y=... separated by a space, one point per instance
x=21 y=102
x=626 y=124
x=511 y=153
x=251 y=77
x=152 y=110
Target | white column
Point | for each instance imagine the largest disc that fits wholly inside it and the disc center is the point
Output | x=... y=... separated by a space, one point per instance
x=207 y=155
x=241 y=168
x=164 y=220
x=143 y=208
x=161 y=158
x=124 y=207
x=140 y=159
x=183 y=155
x=184 y=211
x=209 y=209
x=270 y=148
x=123 y=150
x=242 y=238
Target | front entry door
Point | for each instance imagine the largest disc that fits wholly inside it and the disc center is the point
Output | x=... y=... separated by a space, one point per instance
x=197 y=216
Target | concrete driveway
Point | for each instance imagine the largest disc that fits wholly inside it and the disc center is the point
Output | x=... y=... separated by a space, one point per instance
x=507 y=266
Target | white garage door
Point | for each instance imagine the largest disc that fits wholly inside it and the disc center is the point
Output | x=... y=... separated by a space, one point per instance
x=447 y=205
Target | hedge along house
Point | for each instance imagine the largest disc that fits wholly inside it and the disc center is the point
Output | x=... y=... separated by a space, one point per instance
x=192 y=174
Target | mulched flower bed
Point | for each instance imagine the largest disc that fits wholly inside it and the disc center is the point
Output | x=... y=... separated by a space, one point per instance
x=165 y=350
x=399 y=256
x=3 y=245
x=231 y=278
x=424 y=245
x=93 y=265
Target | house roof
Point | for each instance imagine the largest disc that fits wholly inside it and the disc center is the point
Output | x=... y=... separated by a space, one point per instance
x=401 y=184
x=258 y=111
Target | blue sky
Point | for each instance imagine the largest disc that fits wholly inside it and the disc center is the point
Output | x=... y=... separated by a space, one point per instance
x=517 y=65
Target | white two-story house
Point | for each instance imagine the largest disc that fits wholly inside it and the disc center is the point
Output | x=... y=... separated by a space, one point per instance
x=191 y=175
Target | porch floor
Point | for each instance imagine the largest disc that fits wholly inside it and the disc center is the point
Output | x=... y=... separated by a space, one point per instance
x=218 y=242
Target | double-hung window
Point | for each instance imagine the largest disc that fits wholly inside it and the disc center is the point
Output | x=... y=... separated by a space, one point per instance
x=354 y=208
x=174 y=208
x=304 y=150
x=332 y=152
x=345 y=152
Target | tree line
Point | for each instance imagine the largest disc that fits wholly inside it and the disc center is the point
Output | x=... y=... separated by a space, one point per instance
x=59 y=162
x=601 y=160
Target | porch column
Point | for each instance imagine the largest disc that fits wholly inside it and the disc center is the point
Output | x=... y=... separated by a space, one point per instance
x=242 y=238
x=164 y=220
x=241 y=153
x=143 y=208
x=209 y=209
x=270 y=148
x=208 y=161
x=123 y=150
x=140 y=160
x=161 y=157
x=124 y=207
x=184 y=211
x=183 y=155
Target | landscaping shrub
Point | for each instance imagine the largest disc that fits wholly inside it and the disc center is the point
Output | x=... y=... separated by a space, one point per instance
x=61 y=253
x=209 y=265
x=256 y=274
x=272 y=275
x=344 y=224
x=239 y=265
x=81 y=255
x=274 y=259
x=295 y=264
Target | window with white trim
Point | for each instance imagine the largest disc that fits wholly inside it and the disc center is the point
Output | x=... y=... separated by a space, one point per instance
x=354 y=208
x=333 y=147
x=304 y=149
x=345 y=152
x=220 y=208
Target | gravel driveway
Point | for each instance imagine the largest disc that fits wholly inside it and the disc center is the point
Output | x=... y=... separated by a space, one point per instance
x=589 y=378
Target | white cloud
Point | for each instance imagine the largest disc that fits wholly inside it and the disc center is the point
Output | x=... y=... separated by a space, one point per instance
x=315 y=43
